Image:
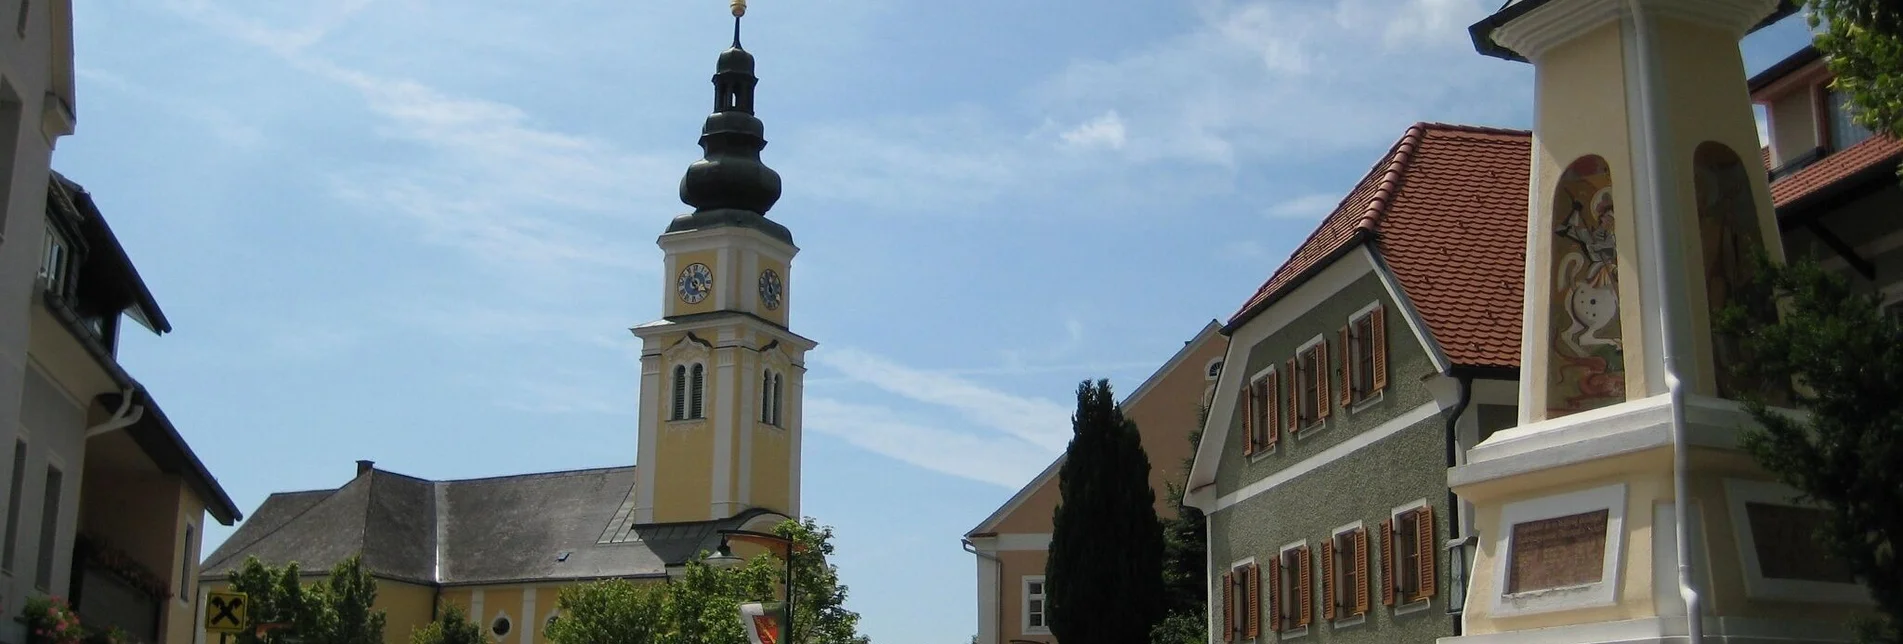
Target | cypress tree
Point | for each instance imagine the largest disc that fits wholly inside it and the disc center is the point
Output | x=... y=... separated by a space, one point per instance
x=1103 y=582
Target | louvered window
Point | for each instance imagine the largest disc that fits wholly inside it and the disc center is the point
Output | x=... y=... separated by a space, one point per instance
x=697 y=392
x=680 y=393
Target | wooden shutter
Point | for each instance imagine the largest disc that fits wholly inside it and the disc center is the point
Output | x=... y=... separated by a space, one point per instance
x=1228 y=607
x=1347 y=393
x=1321 y=380
x=1252 y=596
x=1379 y=343
x=1294 y=396
x=1387 y=562
x=1361 y=571
x=1273 y=431
x=1275 y=594
x=1248 y=419
x=1307 y=591
x=1424 y=533
x=1329 y=589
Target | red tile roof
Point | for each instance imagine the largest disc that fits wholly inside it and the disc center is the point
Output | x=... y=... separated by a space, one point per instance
x=1836 y=167
x=1446 y=209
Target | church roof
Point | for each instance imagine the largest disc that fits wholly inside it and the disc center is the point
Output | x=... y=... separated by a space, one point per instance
x=1446 y=210
x=553 y=525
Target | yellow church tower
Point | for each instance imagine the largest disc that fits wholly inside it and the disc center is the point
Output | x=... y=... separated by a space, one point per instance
x=1621 y=509
x=721 y=372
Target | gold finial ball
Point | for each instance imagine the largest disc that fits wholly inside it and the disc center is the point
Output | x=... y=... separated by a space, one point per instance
x=739 y=8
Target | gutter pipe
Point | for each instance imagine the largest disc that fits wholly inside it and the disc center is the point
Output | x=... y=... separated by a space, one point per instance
x=1656 y=191
x=997 y=623
x=1465 y=383
x=125 y=416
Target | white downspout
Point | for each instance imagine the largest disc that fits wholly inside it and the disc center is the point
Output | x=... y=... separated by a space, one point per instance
x=1656 y=193
x=125 y=416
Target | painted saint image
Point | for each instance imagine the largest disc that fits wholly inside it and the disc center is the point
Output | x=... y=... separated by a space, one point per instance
x=1587 y=368
x=1729 y=237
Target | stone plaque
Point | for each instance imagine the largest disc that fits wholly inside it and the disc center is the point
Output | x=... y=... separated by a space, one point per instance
x=1558 y=552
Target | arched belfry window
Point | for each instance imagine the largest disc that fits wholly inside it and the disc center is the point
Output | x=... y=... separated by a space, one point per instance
x=776 y=398
x=766 y=396
x=680 y=393
x=698 y=392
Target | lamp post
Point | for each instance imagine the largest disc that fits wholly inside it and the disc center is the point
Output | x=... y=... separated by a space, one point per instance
x=724 y=558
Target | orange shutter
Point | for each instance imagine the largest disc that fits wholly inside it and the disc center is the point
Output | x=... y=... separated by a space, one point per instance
x=1228 y=607
x=1294 y=397
x=1361 y=571
x=1425 y=531
x=1387 y=562
x=1307 y=591
x=1380 y=344
x=1248 y=419
x=1328 y=580
x=1321 y=380
x=1347 y=368
x=1275 y=595
x=1273 y=431
x=1252 y=595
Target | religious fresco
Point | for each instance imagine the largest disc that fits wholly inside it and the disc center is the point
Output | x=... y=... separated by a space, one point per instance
x=1587 y=366
x=1729 y=237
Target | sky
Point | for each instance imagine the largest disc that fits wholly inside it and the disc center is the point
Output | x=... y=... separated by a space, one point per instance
x=418 y=232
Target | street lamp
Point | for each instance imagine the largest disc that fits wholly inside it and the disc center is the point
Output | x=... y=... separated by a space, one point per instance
x=724 y=558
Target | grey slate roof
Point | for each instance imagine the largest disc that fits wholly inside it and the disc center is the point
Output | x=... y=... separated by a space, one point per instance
x=544 y=526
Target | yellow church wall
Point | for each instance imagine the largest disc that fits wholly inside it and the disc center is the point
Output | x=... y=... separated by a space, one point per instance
x=1581 y=112
x=405 y=607
x=680 y=262
x=771 y=467
x=683 y=493
x=1646 y=476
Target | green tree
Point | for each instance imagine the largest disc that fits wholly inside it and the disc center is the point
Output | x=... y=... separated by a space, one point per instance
x=452 y=626
x=819 y=600
x=1104 y=578
x=1832 y=340
x=1185 y=562
x=1863 y=40
x=615 y=611
x=337 y=609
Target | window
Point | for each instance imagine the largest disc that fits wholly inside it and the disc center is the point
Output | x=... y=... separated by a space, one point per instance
x=680 y=393
x=690 y=385
x=697 y=389
x=501 y=626
x=1214 y=370
x=49 y=528
x=1345 y=574
x=13 y=504
x=770 y=397
x=1242 y=602
x=1364 y=358
x=1844 y=131
x=1034 y=616
x=1308 y=391
x=56 y=260
x=1291 y=602
x=776 y=398
x=1408 y=555
x=1258 y=413
x=185 y=557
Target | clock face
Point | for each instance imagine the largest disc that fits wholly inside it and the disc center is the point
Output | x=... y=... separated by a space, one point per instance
x=770 y=289
x=695 y=283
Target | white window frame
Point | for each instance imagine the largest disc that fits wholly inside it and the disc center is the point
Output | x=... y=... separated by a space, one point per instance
x=66 y=484
x=1738 y=492
x=1304 y=430
x=1241 y=612
x=1335 y=538
x=1275 y=424
x=1288 y=585
x=1350 y=360
x=1024 y=606
x=1605 y=592
x=1401 y=604
x=188 y=562
x=16 y=511
x=489 y=629
x=1213 y=369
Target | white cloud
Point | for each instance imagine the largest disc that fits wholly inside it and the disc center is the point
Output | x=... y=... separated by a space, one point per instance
x=1000 y=461
x=1037 y=421
x=1308 y=207
x=1104 y=131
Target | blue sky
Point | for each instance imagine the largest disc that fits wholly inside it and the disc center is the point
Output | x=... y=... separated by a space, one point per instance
x=417 y=232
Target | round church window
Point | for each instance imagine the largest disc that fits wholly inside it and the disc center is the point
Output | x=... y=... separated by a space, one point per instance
x=500 y=627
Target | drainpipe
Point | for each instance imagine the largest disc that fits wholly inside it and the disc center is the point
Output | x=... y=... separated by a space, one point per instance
x=997 y=623
x=125 y=416
x=1466 y=385
x=1674 y=387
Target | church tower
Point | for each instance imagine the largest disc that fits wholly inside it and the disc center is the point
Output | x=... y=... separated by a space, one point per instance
x=721 y=372
x=1622 y=508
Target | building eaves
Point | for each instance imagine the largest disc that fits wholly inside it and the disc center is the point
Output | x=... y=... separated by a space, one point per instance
x=1482 y=32
x=159 y=438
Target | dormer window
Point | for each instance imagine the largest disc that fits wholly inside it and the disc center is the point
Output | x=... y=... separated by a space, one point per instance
x=56 y=261
x=1840 y=125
